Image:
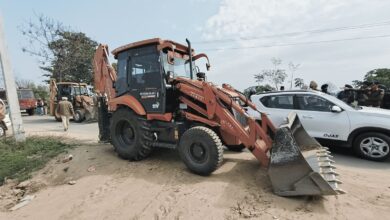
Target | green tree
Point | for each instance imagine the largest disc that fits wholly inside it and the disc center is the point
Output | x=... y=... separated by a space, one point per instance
x=357 y=83
x=299 y=82
x=275 y=76
x=381 y=75
x=63 y=54
x=73 y=61
x=257 y=89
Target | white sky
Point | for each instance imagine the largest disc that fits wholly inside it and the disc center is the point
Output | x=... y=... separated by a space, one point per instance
x=120 y=22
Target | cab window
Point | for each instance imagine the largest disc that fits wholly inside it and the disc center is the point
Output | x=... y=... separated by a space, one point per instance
x=313 y=103
x=279 y=101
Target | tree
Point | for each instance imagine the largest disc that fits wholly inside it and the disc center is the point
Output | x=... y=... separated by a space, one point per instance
x=293 y=68
x=257 y=89
x=115 y=66
x=40 y=91
x=357 y=83
x=298 y=82
x=381 y=75
x=275 y=76
x=24 y=83
x=64 y=54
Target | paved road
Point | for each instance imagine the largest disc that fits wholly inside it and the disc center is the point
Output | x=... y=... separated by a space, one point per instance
x=46 y=125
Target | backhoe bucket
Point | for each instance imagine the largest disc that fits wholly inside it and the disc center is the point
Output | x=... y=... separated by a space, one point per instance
x=299 y=165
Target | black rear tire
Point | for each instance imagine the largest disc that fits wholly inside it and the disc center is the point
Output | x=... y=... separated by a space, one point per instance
x=130 y=135
x=201 y=150
x=372 y=146
x=79 y=116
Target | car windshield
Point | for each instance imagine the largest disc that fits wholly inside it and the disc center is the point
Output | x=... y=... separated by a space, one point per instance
x=180 y=66
x=80 y=90
x=25 y=94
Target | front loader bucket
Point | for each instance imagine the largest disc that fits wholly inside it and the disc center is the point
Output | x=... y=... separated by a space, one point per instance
x=299 y=165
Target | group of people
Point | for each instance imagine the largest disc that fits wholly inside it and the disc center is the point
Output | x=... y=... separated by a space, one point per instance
x=314 y=86
x=369 y=94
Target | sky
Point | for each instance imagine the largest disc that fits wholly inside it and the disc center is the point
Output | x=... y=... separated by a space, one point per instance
x=333 y=40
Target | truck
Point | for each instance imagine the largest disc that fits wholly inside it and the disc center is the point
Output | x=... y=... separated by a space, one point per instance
x=27 y=100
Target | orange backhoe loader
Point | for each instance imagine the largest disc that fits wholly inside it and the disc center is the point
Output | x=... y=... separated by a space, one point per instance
x=159 y=98
x=80 y=97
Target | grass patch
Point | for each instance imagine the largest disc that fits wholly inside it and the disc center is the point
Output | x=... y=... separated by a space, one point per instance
x=18 y=160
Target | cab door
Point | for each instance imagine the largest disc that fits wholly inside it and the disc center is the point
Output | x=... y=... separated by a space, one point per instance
x=144 y=78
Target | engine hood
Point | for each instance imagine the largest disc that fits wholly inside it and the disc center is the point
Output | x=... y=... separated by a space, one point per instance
x=379 y=112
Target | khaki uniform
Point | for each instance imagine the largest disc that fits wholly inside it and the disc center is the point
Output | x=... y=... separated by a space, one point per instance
x=65 y=110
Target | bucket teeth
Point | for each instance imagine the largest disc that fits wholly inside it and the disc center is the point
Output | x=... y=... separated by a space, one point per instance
x=329 y=173
x=340 y=191
x=334 y=181
x=325 y=159
x=324 y=154
x=326 y=164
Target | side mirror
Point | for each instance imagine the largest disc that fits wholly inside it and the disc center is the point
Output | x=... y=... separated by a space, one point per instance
x=336 y=109
x=208 y=66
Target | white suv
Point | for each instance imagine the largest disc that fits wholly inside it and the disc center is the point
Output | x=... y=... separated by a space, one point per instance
x=330 y=120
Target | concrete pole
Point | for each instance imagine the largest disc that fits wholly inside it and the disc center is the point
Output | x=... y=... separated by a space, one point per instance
x=10 y=87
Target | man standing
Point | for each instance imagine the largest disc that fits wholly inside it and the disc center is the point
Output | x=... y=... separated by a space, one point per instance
x=65 y=110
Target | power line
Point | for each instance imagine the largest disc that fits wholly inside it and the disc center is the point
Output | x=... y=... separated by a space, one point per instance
x=315 y=31
x=298 y=43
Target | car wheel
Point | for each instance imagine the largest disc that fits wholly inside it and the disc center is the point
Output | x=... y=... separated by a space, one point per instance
x=373 y=146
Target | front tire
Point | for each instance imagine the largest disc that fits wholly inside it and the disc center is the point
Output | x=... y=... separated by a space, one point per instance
x=372 y=146
x=130 y=136
x=78 y=116
x=201 y=150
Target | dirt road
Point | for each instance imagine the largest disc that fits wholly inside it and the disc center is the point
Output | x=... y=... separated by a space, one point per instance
x=162 y=188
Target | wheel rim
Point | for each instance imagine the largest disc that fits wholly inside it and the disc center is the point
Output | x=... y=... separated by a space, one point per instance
x=77 y=116
x=374 y=147
x=1 y=132
x=125 y=133
x=198 y=152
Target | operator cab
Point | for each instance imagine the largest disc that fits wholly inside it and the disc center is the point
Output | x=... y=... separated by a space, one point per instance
x=145 y=70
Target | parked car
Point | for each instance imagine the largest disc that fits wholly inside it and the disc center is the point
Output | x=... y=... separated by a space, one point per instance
x=331 y=121
x=27 y=100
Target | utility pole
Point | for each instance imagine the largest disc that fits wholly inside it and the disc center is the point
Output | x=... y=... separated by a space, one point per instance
x=10 y=87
